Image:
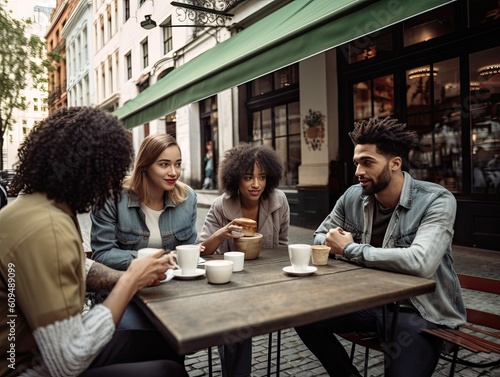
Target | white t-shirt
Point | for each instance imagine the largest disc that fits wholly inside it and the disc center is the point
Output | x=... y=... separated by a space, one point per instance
x=153 y=224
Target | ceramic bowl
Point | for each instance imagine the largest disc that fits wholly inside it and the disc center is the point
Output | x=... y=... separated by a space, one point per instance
x=249 y=245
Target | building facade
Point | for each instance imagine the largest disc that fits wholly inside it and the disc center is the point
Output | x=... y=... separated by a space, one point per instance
x=56 y=42
x=80 y=81
x=297 y=74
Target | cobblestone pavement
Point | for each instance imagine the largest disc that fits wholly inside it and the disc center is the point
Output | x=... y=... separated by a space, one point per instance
x=297 y=360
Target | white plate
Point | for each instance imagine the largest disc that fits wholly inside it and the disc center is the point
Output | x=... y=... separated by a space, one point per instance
x=309 y=270
x=201 y=261
x=170 y=275
x=199 y=272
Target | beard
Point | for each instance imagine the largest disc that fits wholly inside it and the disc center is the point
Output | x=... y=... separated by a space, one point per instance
x=379 y=183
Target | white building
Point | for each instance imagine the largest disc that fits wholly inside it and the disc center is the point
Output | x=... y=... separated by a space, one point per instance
x=129 y=58
x=79 y=48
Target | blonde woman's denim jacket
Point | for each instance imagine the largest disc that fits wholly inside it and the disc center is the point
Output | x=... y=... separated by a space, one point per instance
x=417 y=242
x=119 y=229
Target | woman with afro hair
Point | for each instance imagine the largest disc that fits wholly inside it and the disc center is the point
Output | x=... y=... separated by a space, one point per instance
x=249 y=176
x=70 y=162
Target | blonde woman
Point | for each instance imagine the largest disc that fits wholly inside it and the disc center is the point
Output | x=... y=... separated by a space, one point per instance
x=154 y=210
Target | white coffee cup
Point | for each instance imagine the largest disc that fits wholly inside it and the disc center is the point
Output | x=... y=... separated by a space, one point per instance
x=238 y=259
x=218 y=271
x=187 y=258
x=146 y=251
x=299 y=254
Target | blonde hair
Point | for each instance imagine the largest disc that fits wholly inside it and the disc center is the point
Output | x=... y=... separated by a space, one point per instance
x=137 y=183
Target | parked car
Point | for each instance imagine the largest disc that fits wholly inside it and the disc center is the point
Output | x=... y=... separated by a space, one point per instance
x=6 y=177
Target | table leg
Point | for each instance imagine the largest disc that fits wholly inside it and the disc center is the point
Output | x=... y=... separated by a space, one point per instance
x=210 y=361
x=269 y=353
x=278 y=353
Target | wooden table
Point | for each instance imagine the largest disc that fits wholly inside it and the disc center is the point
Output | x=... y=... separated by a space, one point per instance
x=194 y=315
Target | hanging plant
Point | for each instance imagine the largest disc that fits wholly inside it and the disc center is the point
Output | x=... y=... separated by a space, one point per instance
x=314 y=129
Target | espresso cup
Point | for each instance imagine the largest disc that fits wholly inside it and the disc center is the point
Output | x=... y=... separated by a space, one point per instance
x=218 y=271
x=187 y=258
x=319 y=254
x=299 y=254
x=238 y=259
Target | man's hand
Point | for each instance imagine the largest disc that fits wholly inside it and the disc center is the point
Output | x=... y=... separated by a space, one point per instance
x=337 y=238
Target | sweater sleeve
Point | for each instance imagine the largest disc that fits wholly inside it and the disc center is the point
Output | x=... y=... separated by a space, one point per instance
x=70 y=345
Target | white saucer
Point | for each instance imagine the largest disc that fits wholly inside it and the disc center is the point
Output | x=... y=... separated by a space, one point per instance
x=199 y=272
x=309 y=270
x=201 y=261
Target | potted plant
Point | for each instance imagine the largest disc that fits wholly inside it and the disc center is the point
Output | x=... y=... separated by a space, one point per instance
x=314 y=129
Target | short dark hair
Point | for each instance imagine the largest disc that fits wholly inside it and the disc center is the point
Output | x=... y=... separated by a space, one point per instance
x=391 y=137
x=78 y=156
x=241 y=159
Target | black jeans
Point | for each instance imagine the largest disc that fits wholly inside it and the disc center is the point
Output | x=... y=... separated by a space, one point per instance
x=135 y=353
x=411 y=353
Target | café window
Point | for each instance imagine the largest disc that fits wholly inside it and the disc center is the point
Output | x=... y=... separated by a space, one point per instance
x=485 y=120
x=279 y=79
x=483 y=11
x=279 y=127
x=429 y=25
x=433 y=111
x=171 y=124
x=374 y=98
x=371 y=45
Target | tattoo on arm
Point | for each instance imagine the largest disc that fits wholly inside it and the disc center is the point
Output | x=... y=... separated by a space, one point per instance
x=102 y=278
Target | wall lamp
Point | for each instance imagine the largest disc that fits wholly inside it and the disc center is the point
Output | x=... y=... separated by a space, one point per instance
x=148 y=23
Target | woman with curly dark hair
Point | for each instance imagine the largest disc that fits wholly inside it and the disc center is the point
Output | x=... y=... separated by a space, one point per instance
x=71 y=161
x=249 y=176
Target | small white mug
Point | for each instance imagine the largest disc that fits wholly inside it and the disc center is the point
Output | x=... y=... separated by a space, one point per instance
x=238 y=259
x=218 y=271
x=146 y=251
x=187 y=258
x=299 y=254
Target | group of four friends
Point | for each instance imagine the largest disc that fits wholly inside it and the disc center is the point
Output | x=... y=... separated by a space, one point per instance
x=78 y=160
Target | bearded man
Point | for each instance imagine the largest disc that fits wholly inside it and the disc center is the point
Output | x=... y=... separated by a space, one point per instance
x=392 y=222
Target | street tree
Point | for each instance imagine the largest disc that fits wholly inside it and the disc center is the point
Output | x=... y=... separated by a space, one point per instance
x=23 y=64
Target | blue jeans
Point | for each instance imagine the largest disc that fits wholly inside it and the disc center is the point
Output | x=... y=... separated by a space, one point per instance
x=411 y=353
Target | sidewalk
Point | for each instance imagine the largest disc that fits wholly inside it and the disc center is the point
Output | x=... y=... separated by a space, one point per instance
x=297 y=360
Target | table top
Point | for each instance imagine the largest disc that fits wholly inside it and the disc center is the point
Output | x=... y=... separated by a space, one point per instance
x=193 y=314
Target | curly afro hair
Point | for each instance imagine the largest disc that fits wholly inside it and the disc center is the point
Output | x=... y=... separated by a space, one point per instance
x=78 y=156
x=391 y=137
x=241 y=159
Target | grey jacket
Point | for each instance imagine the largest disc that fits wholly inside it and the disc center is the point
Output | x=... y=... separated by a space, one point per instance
x=119 y=229
x=417 y=242
x=273 y=224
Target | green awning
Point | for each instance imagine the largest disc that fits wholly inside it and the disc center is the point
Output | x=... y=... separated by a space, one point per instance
x=299 y=30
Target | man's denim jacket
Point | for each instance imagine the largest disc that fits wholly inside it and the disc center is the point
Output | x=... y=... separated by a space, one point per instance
x=119 y=229
x=417 y=242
